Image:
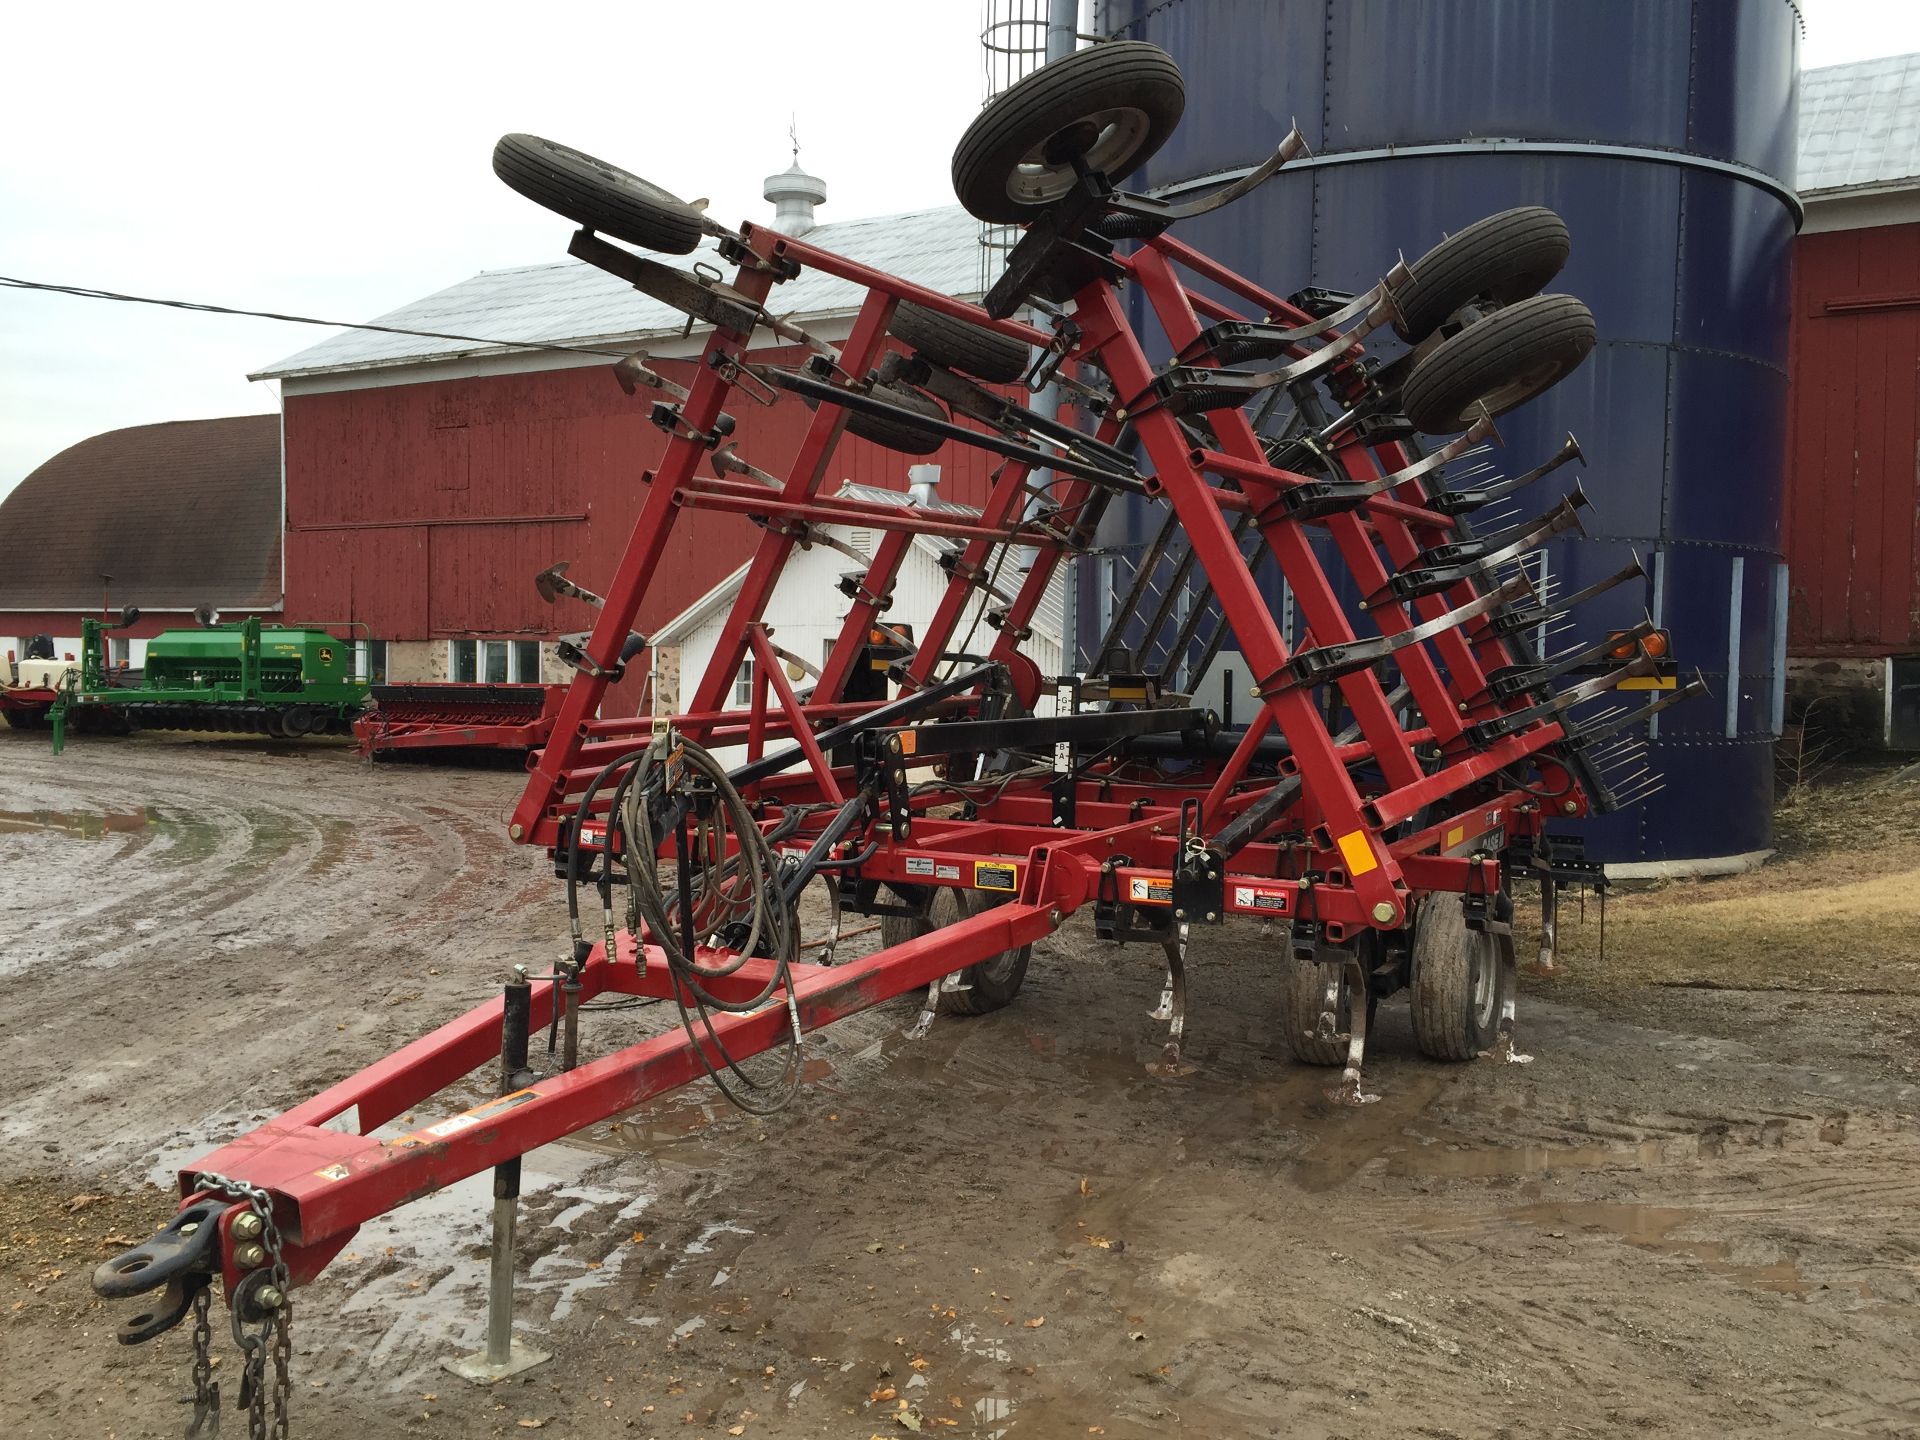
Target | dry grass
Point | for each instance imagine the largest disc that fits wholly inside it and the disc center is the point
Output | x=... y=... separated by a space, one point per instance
x=1837 y=909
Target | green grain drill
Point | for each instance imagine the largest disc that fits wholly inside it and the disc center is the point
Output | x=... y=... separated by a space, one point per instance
x=264 y=679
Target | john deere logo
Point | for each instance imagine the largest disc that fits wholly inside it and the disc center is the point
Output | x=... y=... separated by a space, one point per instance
x=326 y=654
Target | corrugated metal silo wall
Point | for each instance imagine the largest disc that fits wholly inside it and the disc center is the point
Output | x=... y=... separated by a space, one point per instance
x=1664 y=133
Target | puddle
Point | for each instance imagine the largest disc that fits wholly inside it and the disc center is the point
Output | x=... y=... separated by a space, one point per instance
x=1651 y=1227
x=1487 y=1162
x=81 y=825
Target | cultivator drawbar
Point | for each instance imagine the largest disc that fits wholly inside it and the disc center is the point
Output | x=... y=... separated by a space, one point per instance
x=1400 y=756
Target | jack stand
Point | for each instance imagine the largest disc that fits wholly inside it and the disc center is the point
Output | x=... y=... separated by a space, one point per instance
x=503 y=1355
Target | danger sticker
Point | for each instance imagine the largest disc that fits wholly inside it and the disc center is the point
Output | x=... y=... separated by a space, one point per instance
x=1142 y=891
x=1260 y=897
x=919 y=865
x=995 y=875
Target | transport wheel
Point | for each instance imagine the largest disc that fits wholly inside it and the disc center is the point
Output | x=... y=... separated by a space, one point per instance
x=1458 y=985
x=993 y=982
x=1497 y=363
x=908 y=439
x=297 y=721
x=597 y=195
x=1303 y=983
x=959 y=346
x=1503 y=258
x=1111 y=106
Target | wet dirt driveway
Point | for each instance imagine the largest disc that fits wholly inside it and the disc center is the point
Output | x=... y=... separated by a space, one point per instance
x=1697 y=1212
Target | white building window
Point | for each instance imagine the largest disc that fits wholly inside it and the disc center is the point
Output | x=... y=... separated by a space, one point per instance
x=492 y=662
x=743 y=683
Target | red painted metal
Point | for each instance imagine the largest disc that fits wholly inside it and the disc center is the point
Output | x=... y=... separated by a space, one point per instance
x=1853 y=443
x=448 y=721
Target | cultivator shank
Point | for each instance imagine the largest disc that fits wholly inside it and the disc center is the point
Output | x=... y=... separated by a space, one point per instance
x=1399 y=746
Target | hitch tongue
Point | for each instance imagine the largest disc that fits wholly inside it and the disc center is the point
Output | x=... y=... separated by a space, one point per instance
x=180 y=1260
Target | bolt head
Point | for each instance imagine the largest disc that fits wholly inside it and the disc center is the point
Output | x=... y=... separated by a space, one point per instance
x=1179 y=914
x=268 y=1297
x=190 y=1227
x=514 y=832
x=247 y=1226
x=250 y=1256
x=1572 y=807
x=1211 y=916
x=1054 y=917
x=1383 y=912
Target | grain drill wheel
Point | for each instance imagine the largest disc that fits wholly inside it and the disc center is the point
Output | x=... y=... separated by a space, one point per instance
x=1500 y=260
x=1302 y=989
x=1459 y=985
x=957 y=345
x=990 y=984
x=1497 y=363
x=1110 y=108
x=597 y=195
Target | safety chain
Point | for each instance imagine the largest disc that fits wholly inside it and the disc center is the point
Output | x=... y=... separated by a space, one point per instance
x=268 y=1288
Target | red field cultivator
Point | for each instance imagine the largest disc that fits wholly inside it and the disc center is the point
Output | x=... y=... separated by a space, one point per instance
x=442 y=716
x=1403 y=754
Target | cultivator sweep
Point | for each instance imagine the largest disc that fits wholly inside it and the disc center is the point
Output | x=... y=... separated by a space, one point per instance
x=1404 y=743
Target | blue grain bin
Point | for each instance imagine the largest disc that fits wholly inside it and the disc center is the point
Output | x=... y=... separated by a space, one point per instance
x=1664 y=133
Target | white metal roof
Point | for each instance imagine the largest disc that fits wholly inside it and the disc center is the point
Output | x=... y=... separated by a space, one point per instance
x=569 y=302
x=1860 y=126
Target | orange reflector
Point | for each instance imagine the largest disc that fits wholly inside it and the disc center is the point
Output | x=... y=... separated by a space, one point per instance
x=1358 y=853
x=909 y=742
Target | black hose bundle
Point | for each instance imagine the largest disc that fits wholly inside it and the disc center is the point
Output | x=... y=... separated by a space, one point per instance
x=724 y=894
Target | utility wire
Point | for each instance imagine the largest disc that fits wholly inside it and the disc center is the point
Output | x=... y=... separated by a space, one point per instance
x=86 y=293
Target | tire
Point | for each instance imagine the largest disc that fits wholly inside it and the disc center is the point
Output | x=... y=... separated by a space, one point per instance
x=1113 y=105
x=1504 y=258
x=993 y=982
x=959 y=346
x=898 y=435
x=1302 y=984
x=597 y=195
x=1497 y=363
x=1458 y=985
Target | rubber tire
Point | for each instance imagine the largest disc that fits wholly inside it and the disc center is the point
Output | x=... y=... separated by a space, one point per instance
x=994 y=981
x=597 y=195
x=1504 y=258
x=896 y=435
x=1126 y=73
x=1500 y=363
x=1448 y=962
x=959 y=346
x=1301 y=985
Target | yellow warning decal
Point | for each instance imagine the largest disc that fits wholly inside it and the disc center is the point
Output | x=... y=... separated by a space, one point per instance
x=1455 y=836
x=1358 y=853
x=468 y=1119
x=995 y=875
x=1649 y=682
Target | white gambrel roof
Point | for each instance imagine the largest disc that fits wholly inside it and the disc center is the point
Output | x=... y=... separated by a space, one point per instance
x=1860 y=126
x=570 y=302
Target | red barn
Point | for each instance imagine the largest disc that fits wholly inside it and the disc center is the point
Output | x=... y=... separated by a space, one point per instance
x=1853 y=468
x=429 y=480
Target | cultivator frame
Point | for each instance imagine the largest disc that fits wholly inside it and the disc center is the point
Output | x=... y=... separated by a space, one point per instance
x=1378 y=770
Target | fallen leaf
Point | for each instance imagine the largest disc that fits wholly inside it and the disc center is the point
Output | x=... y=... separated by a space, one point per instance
x=1036 y=1322
x=736 y=1429
x=531 y=1424
x=81 y=1202
x=1099 y=1242
x=919 y=1362
x=430 y=1395
x=1086 y=1186
x=907 y=1420
x=639 y=1237
x=885 y=1392
x=1096 y=1429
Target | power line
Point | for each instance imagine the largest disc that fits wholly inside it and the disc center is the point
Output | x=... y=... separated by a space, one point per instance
x=86 y=293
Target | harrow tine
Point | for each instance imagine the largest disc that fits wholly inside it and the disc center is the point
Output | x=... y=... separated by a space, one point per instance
x=1330 y=662
x=1461 y=501
x=1511 y=680
x=1517 y=621
x=1444 y=566
x=1588 y=734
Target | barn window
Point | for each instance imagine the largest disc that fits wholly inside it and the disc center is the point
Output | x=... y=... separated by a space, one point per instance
x=463 y=663
x=743 y=683
x=494 y=657
x=526 y=661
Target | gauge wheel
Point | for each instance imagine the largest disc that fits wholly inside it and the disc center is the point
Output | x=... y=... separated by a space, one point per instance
x=1502 y=259
x=1458 y=986
x=970 y=349
x=597 y=195
x=1497 y=363
x=901 y=435
x=993 y=982
x=1303 y=985
x=1111 y=107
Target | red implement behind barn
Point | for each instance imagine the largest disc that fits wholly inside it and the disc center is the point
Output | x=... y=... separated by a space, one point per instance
x=1404 y=750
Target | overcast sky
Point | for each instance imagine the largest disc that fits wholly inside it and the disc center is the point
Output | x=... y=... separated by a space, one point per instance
x=334 y=160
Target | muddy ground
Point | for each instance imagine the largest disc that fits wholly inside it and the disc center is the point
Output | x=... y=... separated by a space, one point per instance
x=1697 y=1211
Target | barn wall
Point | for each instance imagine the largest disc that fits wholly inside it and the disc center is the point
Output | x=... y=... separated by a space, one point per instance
x=424 y=511
x=1853 y=501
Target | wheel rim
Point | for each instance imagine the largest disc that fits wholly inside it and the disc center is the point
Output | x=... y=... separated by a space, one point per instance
x=1046 y=171
x=1486 y=980
x=1522 y=388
